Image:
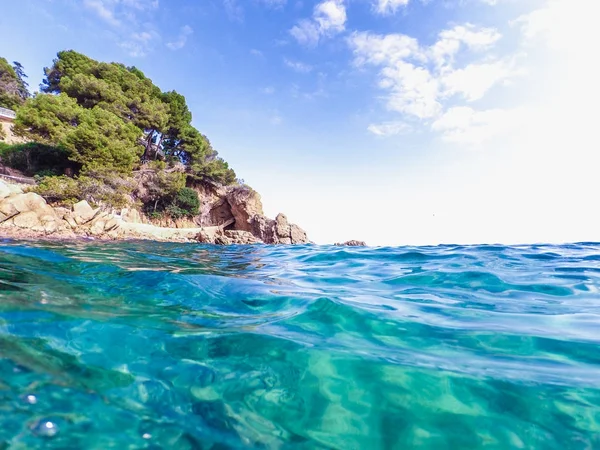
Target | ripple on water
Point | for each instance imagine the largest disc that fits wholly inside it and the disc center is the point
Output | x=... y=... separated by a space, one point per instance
x=149 y=345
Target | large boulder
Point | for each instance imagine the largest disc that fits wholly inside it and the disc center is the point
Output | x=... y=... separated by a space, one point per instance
x=131 y=215
x=83 y=212
x=28 y=211
x=278 y=231
x=245 y=204
x=22 y=203
x=7 y=189
x=27 y=219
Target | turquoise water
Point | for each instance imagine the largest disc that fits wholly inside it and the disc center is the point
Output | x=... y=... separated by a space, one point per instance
x=146 y=345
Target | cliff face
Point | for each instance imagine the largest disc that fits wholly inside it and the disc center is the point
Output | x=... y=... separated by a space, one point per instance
x=228 y=216
x=240 y=209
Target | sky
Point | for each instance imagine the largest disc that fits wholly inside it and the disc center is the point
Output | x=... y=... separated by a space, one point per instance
x=397 y=122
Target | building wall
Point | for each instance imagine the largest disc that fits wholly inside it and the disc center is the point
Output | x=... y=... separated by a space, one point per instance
x=10 y=137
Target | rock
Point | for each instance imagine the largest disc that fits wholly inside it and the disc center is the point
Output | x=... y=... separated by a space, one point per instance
x=83 y=212
x=8 y=209
x=97 y=227
x=131 y=215
x=111 y=224
x=27 y=219
x=204 y=238
x=263 y=228
x=241 y=237
x=4 y=190
x=282 y=227
x=70 y=221
x=61 y=212
x=245 y=204
x=7 y=189
x=82 y=209
x=298 y=235
x=278 y=231
x=221 y=239
x=352 y=244
x=50 y=227
x=22 y=203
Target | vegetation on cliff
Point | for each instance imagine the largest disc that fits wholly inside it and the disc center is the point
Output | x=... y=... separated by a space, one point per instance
x=13 y=87
x=95 y=125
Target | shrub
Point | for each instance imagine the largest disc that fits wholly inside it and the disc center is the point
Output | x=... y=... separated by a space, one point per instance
x=37 y=159
x=100 y=188
x=183 y=202
x=62 y=190
x=186 y=203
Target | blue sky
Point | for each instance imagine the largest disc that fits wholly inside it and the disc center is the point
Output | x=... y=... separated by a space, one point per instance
x=392 y=121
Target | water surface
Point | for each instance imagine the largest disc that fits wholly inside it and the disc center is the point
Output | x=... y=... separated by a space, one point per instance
x=147 y=345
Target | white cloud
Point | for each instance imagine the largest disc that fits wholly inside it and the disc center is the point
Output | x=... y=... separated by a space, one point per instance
x=389 y=6
x=306 y=32
x=464 y=125
x=116 y=12
x=420 y=80
x=128 y=21
x=273 y=3
x=389 y=128
x=414 y=90
x=450 y=42
x=298 y=66
x=329 y=18
x=383 y=49
x=103 y=9
x=141 y=5
x=234 y=10
x=185 y=32
x=475 y=80
x=269 y=90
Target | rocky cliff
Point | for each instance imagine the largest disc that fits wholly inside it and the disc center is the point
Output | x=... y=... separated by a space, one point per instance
x=228 y=216
x=240 y=209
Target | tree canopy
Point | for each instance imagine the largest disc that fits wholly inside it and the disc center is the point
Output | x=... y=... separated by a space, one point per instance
x=108 y=115
x=13 y=87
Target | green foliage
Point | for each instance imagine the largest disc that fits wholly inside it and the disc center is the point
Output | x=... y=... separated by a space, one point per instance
x=36 y=159
x=101 y=120
x=101 y=140
x=184 y=204
x=62 y=190
x=105 y=187
x=23 y=85
x=162 y=186
x=98 y=187
x=166 y=195
x=215 y=170
x=13 y=89
x=94 y=138
x=110 y=86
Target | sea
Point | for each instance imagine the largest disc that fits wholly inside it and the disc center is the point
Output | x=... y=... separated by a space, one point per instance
x=145 y=345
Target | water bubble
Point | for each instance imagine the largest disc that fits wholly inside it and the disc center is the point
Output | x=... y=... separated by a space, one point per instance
x=45 y=428
x=146 y=435
x=31 y=399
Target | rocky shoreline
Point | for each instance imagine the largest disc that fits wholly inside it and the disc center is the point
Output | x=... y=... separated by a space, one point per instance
x=26 y=215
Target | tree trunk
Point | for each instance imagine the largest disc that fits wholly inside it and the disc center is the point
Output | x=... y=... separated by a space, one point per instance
x=148 y=144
